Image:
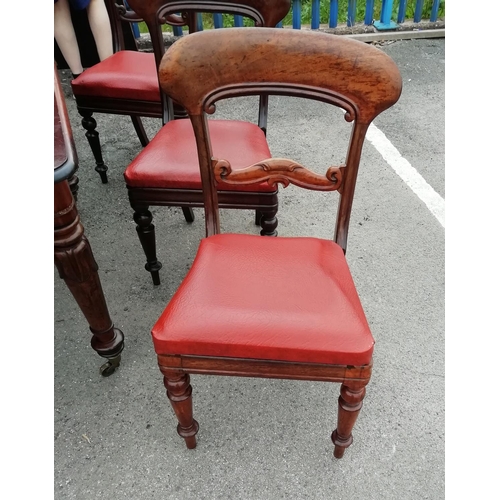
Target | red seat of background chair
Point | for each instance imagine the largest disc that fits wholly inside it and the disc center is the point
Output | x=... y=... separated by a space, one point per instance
x=241 y=300
x=126 y=74
x=170 y=160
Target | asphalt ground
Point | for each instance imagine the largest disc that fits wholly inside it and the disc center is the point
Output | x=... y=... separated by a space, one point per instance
x=116 y=437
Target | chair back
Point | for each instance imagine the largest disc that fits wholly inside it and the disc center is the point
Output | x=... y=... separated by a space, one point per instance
x=156 y=13
x=118 y=15
x=205 y=67
x=120 y=12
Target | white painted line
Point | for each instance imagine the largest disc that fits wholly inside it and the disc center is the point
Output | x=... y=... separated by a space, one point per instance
x=409 y=174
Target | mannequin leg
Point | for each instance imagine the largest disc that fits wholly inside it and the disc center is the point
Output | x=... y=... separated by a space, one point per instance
x=101 y=28
x=65 y=36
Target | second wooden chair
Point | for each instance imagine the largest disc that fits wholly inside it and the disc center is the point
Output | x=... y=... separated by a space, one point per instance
x=166 y=171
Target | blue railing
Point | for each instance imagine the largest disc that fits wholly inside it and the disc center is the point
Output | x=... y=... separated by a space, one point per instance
x=364 y=10
x=326 y=13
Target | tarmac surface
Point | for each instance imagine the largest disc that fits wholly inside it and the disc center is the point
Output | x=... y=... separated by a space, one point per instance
x=115 y=437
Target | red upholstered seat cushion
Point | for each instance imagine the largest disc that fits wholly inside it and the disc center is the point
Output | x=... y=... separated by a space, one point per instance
x=170 y=160
x=288 y=299
x=124 y=75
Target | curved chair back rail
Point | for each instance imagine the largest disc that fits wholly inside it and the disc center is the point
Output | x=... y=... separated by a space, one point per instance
x=206 y=67
x=310 y=64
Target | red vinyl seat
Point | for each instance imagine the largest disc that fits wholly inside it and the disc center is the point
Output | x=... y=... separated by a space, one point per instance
x=170 y=161
x=124 y=75
x=254 y=311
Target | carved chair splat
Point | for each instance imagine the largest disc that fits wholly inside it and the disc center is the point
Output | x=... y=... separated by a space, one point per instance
x=166 y=172
x=246 y=306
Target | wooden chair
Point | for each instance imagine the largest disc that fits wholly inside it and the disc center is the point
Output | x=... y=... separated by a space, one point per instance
x=127 y=82
x=166 y=172
x=124 y=84
x=272 y=307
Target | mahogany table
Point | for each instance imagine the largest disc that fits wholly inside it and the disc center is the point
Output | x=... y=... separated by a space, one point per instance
x=72 y=253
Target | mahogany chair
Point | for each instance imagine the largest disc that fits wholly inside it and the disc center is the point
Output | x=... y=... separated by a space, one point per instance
x=166 y=172
x=272 y=307
x=127 y=82
x=124 y=84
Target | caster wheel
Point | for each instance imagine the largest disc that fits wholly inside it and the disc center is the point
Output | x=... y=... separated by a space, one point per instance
x=110 y=367
x=107 y=369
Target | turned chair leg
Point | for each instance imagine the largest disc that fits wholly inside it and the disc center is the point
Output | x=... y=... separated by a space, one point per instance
x=269 y=223
x=89 y=124
x=139 y=130
x=188 y=214
x=146 y=233
x=179 y=393
x=350 y=403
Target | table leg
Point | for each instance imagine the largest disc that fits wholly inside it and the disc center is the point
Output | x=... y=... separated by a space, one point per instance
x=77 y=267
x=73 y=185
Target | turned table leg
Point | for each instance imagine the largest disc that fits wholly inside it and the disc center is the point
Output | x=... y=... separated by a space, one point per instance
x=78 y=268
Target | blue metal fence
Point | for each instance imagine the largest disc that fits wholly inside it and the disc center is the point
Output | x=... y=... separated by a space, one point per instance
x=326 y=12
x=363 y=10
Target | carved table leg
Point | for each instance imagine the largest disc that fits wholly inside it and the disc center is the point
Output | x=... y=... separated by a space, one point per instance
x=77 y=267
x=73 y=185
x=179 y=393
x=350 y=402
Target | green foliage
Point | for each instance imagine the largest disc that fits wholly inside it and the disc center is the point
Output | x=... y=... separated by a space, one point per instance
x=426 y=11
x=306 y=13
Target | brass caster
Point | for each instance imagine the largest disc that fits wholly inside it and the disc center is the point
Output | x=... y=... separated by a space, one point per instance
x=110 y=366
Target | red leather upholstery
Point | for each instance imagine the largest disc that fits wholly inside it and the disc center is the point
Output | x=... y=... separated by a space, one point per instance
x=290 y=299
x=170 y=160
x=124 y=75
